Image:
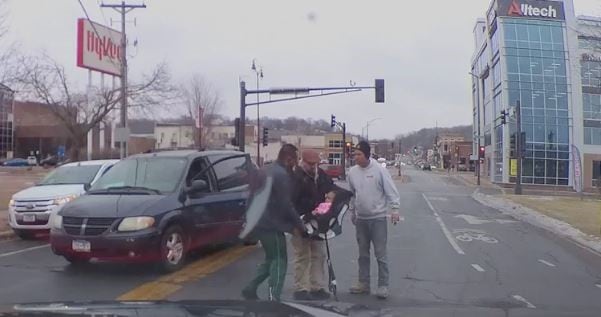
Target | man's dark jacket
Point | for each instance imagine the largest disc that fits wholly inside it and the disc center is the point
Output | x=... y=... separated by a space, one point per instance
x=310 y=191
x=280 y=214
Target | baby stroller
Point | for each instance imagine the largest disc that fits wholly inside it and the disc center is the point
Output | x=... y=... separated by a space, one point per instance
x=328 y=226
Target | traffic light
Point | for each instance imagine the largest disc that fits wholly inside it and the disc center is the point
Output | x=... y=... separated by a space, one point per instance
x=332 y=121
x=504 y=117
x=265 y=136
x=380 y=91
x=512 y=146
x=482 y=152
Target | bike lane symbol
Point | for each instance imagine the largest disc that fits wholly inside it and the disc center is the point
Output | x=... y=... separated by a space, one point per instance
x=469 y=235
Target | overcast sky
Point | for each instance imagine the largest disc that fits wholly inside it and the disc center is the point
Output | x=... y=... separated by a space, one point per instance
x=421 y=48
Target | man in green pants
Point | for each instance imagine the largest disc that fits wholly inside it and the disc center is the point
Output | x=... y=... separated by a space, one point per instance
x=279 y=217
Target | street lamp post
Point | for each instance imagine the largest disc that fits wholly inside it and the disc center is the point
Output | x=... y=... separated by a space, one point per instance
x=367 y=127
x=259 y=74
x=478 y=112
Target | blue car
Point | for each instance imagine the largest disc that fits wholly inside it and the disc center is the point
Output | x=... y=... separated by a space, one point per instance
x=16 y=162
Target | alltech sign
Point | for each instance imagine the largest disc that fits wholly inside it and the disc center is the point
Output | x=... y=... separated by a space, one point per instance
x=531 y=9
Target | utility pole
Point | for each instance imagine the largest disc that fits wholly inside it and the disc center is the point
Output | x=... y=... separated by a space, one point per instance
x=518 y=146
x=343 y=160
x=123 y=9
x=259 y=73
x=242 y=128
x=400 y=155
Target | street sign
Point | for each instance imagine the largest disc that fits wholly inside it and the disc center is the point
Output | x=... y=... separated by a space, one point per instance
x=513 y=167
x=121 y=134
x=473 y=157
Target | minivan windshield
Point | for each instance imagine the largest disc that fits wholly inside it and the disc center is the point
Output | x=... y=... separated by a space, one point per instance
x=79 y=174
x=154 y=173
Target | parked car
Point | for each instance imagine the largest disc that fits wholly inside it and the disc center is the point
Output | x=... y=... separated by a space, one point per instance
x=16 y=162
x=334 y=171
x=49 y=161
x=30 y=209
x=426 y=167
x=156 y=207
x=462 y=168
x=32 y=161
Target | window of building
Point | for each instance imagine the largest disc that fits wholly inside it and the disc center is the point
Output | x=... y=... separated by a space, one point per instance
x=335 y=143
x=335 y=158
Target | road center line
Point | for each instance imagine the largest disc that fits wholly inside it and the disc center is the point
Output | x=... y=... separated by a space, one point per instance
x=444 y=228
x=523 y=300
x=546 y=263
x=23 y=250
x=477 y=268
x=166 y=285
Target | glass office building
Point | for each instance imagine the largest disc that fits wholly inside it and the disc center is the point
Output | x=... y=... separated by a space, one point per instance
x=535 y=64
x=534 y=52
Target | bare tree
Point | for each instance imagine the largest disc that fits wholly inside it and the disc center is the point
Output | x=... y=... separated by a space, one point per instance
x=198 y=93
x=46 y=81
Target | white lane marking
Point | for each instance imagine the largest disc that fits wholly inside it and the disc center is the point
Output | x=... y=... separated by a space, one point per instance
x=477 y=268
x=444 y=228
x=24 y=250
x=439 y=198
x=598 y=285
x=473 y=220
x=546 y=263
x=476 y=191
x=523 y=300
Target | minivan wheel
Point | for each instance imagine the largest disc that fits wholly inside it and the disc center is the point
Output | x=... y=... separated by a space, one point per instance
x=173 y=249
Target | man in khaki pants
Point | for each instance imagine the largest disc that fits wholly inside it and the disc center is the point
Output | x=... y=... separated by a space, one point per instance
x=311 y=186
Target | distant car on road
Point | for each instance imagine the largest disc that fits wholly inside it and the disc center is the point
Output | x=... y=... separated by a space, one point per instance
x=49 y=161
x=32 y=160
x=334 y=171
x=16 y=162
x=157 y=207
x=30 y=209
x=426 y=167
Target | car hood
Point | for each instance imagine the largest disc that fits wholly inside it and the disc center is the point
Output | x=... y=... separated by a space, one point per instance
x=49 y=192
x=110 y=205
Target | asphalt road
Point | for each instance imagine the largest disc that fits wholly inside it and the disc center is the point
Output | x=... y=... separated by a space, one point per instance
x=449 y=255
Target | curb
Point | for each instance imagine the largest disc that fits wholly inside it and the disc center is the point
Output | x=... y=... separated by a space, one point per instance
x=539 y=220
x=7 y=235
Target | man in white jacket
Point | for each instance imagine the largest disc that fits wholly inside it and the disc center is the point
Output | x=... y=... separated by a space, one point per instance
x=375 y=196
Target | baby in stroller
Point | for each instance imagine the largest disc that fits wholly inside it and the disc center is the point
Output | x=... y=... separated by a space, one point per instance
x=324 y=208
x=325 y=221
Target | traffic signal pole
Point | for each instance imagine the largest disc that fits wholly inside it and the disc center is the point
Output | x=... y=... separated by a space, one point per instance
x=343 y=161
x=304 y=92
x=518 y=146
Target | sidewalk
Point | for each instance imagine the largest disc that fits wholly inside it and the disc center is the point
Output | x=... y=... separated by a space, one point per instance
x=471 y=180
x=5 y=231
